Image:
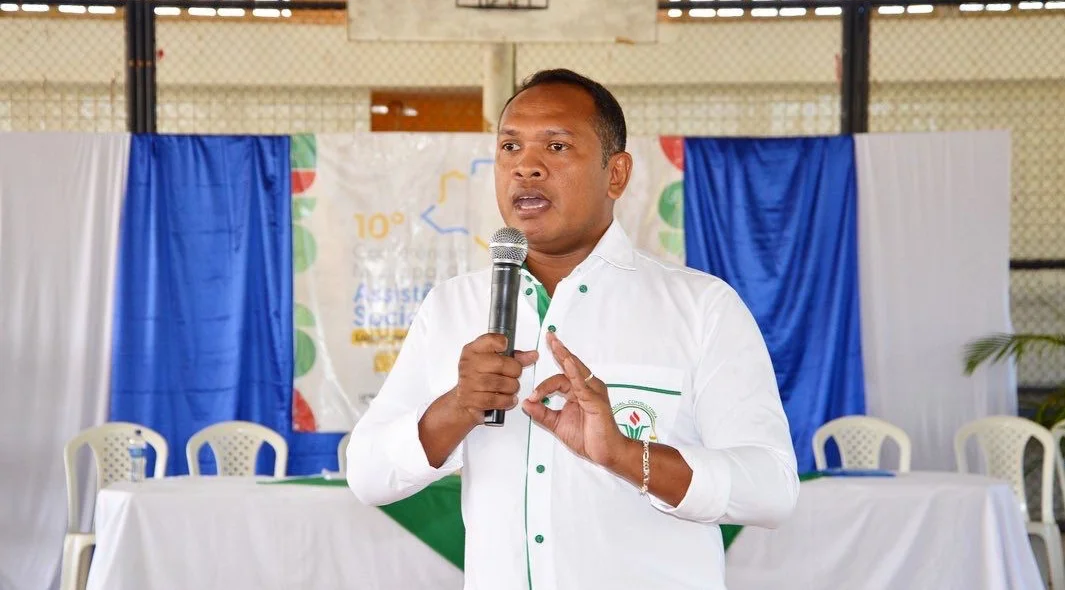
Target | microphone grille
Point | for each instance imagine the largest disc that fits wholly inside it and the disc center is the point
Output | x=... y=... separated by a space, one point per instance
x=508 y=245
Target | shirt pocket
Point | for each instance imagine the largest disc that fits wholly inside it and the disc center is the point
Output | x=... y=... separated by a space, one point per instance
x=645 y=399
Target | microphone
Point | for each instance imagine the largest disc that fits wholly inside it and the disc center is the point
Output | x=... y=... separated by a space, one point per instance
x=508 y=248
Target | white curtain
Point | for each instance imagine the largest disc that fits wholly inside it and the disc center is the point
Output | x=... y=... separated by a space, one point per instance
x=934 y=265
x=60 y=202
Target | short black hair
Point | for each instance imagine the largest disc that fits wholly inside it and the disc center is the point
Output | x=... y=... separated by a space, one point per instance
x=609 y=118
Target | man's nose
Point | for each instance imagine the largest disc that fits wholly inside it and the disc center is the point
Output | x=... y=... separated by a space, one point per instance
x=530 y=166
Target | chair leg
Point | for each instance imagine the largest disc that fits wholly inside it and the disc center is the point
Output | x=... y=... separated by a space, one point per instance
x=68 y=577
x=77 y=555
x=1055 y=559
x=83 y=566
x=1051 y=537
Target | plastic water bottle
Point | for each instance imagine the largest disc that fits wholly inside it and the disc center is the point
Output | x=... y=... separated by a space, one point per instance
x=138 y=457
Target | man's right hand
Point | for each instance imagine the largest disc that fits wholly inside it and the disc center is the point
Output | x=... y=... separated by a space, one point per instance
x=487 y=381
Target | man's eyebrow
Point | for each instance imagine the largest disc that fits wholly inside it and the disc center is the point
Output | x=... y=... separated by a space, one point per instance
x=558 y=131
x=550 y=132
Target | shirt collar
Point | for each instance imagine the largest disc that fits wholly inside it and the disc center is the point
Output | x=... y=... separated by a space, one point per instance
x=615 y=247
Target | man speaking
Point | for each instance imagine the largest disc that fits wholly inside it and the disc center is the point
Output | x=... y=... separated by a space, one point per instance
x=641 y=404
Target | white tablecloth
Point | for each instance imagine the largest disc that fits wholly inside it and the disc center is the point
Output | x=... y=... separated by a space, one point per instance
x=919 y=531
x=935 y=531
x=220 y=533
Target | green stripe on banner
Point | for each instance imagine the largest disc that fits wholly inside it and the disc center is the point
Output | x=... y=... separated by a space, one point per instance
x=434 y=514
x=730 y=531
x=316 y=480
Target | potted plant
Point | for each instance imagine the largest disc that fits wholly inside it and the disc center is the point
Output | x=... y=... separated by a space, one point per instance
x=997 y=347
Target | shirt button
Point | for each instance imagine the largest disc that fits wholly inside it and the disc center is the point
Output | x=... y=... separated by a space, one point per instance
x=528 y=291
x=539 y=538
x=583 y=288
x=539 y=468
x=551 y=328
x=528 y=278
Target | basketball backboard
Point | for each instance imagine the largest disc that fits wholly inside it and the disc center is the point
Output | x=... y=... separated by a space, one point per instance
x=518 y=21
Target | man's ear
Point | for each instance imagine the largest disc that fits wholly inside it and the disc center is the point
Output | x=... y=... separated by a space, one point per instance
x=620 y=165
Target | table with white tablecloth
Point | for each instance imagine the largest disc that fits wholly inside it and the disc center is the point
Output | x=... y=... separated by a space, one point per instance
x=231 y=533
x=935 y=531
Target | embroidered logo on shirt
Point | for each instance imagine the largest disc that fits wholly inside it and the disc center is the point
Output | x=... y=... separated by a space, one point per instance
x=636 y=420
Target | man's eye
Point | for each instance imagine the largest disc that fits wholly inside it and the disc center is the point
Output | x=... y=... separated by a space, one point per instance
x=556 y=147
x=509 y=146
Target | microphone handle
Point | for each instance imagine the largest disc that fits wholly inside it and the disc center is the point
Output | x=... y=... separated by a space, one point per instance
x=503 y=317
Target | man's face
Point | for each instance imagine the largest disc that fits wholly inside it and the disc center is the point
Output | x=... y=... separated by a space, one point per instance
x=550 y=179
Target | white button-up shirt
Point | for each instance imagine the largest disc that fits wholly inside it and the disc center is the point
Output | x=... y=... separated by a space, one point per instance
x=685 y=365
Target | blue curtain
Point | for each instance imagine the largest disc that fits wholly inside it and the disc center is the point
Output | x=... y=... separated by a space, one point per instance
x=203 y=303
x=777 y=219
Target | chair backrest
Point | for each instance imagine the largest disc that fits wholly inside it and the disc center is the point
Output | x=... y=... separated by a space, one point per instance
x=236 y=446
x=1002 y=440
x=860 y=439
x=109 y=444
x=342 y=454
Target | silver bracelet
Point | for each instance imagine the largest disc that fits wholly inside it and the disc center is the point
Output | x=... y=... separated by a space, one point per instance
x=646 y=467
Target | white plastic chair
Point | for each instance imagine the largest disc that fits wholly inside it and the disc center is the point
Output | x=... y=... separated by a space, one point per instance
x=342 y=454
x=236 y=446
x=109 y=444
x=1002 y=440
x=860 y=439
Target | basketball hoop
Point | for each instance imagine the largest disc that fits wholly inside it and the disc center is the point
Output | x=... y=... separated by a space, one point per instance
x=502 y=4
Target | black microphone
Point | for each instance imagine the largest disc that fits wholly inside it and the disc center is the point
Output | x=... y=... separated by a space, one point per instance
x=508 y=248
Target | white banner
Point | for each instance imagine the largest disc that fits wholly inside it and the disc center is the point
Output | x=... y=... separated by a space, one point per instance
x=379 y=218
x=60 y=203
x=652 y=208
x=934 y=249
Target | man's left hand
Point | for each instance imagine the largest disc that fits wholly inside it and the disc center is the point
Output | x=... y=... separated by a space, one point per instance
x=585 y=423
